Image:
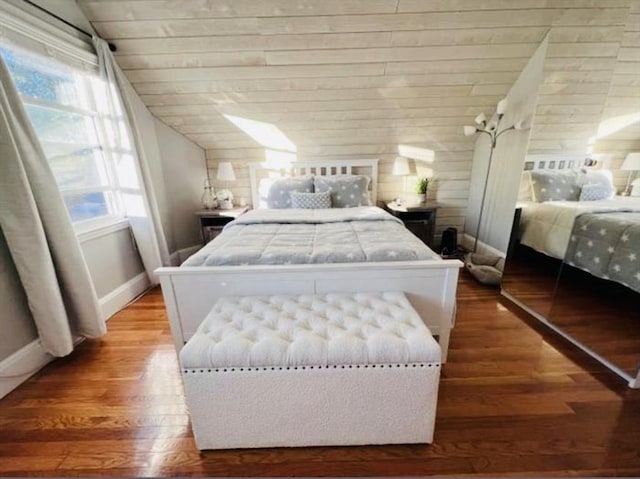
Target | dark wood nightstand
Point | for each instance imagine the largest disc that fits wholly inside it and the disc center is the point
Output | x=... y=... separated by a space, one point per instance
x=212 y=221
x=419 y=219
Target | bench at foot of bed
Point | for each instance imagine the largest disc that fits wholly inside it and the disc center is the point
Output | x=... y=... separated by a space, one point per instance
x=311 y=370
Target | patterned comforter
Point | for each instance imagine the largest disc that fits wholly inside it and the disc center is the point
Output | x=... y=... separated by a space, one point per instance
x=607 y=245
x=297 y=236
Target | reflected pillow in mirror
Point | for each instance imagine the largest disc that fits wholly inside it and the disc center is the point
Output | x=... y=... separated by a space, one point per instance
x=347 y=191
x=595 y=192
x=596 y=185
x=310 y=201
x=552 y=185
x=280 y=189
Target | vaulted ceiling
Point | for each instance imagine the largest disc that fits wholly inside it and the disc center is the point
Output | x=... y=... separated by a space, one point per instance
x=354 y=78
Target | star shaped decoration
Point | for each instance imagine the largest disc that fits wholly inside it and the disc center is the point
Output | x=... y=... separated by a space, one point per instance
x=632 y=257
x=624 y=237
x=637 y=275
x=583 y=227
x=611 y=249
x=590 y=244
x=579 y=254
x=573 y=238
x=616 y=268
x=603 y=231
x=596 y=260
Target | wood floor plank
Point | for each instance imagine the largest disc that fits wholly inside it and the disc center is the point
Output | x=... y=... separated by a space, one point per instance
x=514 y=399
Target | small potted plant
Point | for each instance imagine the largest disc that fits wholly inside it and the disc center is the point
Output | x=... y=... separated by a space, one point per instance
x=421 y=189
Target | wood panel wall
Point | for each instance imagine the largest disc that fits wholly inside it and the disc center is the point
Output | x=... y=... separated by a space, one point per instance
x=351 y=78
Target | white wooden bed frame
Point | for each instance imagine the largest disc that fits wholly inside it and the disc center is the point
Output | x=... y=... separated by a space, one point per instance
x=190 y=292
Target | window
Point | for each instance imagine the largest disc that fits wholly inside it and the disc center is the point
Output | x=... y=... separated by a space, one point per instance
x=76 y=134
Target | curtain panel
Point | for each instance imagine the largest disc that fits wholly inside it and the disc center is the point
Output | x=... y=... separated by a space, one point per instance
x=39 y=233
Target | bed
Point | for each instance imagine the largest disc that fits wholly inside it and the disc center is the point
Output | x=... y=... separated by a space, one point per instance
x=598 y=236
x=242 y=262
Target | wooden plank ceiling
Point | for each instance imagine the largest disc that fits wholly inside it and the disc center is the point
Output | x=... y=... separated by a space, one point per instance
x=354 y=78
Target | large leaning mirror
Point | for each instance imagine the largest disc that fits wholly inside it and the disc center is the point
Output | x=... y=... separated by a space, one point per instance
x=574 y=254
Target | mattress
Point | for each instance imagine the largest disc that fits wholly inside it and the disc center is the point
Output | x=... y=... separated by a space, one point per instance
x=298 y=236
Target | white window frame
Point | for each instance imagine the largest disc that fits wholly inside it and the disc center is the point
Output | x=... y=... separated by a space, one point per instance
x=87 y=229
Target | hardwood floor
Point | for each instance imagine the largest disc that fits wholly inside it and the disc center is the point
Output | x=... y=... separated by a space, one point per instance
x=514 y=400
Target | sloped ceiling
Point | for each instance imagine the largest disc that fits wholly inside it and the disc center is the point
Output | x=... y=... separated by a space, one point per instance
x=353 y=78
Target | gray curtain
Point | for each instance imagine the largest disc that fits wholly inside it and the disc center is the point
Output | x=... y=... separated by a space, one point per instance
x=39 y=233
x=140 y=204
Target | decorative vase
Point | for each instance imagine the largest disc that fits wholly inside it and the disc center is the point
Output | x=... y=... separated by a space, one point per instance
x=421 y=198
x=209 y=200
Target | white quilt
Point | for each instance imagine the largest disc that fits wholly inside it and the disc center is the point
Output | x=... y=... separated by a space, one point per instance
x=300 y=236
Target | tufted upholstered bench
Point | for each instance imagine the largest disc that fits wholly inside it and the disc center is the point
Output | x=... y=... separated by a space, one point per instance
x=331 y=369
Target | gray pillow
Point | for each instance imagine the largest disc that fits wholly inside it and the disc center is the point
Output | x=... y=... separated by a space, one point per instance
x=279 y=195
x=347 y=191
x=313 y=201
x=555 y=185
x=596 y=185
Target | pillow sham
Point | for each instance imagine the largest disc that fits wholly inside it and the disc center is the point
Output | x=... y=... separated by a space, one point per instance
x=347 y=191
x=278 y=195
x=595 y=192
x=596 y=185
x=311 y=200
x=553 y=185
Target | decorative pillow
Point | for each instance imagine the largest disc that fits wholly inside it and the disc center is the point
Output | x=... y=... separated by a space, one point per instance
x=596 y=185
x=595 y=192
x=553 y=185
x=312 y=201
x=279 y=195
x=347 y=191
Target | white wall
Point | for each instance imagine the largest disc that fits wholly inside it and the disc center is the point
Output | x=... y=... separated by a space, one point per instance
x=184 y=168
x=507 y=162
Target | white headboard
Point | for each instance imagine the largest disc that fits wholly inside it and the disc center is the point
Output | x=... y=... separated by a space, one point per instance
x=368 y=167
x=566 y=162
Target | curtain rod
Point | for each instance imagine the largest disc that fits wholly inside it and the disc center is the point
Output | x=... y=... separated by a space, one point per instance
x=112 y=47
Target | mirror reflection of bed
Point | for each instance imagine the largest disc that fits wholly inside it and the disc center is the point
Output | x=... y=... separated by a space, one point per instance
x=574 y=257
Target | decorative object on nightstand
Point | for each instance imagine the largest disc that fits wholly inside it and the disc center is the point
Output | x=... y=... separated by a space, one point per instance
x=209 y=200
x=212 y=221
x=420 y=220
x=401 y=168
x=225 y=174
x=632 y=164
x=421 y=189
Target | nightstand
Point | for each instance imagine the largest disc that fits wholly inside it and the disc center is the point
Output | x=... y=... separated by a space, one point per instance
x=419 y=219
x=212 y=221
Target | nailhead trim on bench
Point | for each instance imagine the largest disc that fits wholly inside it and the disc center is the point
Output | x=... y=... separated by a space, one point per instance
x=296 y=368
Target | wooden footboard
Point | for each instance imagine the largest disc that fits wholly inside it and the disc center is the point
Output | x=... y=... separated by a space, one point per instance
x=190 y=292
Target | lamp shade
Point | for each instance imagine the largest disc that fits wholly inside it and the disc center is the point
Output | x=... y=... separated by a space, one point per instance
x=400 y=166
x=225 y=171
x=631 y=162
x=470 y=130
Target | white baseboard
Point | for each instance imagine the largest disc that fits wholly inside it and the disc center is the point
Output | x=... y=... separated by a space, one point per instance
x=483 y=248
x=21 y=365
x=122 y=295
x=178 y=257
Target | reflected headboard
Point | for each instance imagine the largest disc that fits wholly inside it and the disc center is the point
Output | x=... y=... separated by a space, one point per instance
x=566 y=162
x=369 y=167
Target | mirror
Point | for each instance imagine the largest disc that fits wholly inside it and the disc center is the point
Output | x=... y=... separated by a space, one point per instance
x=574 y=253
